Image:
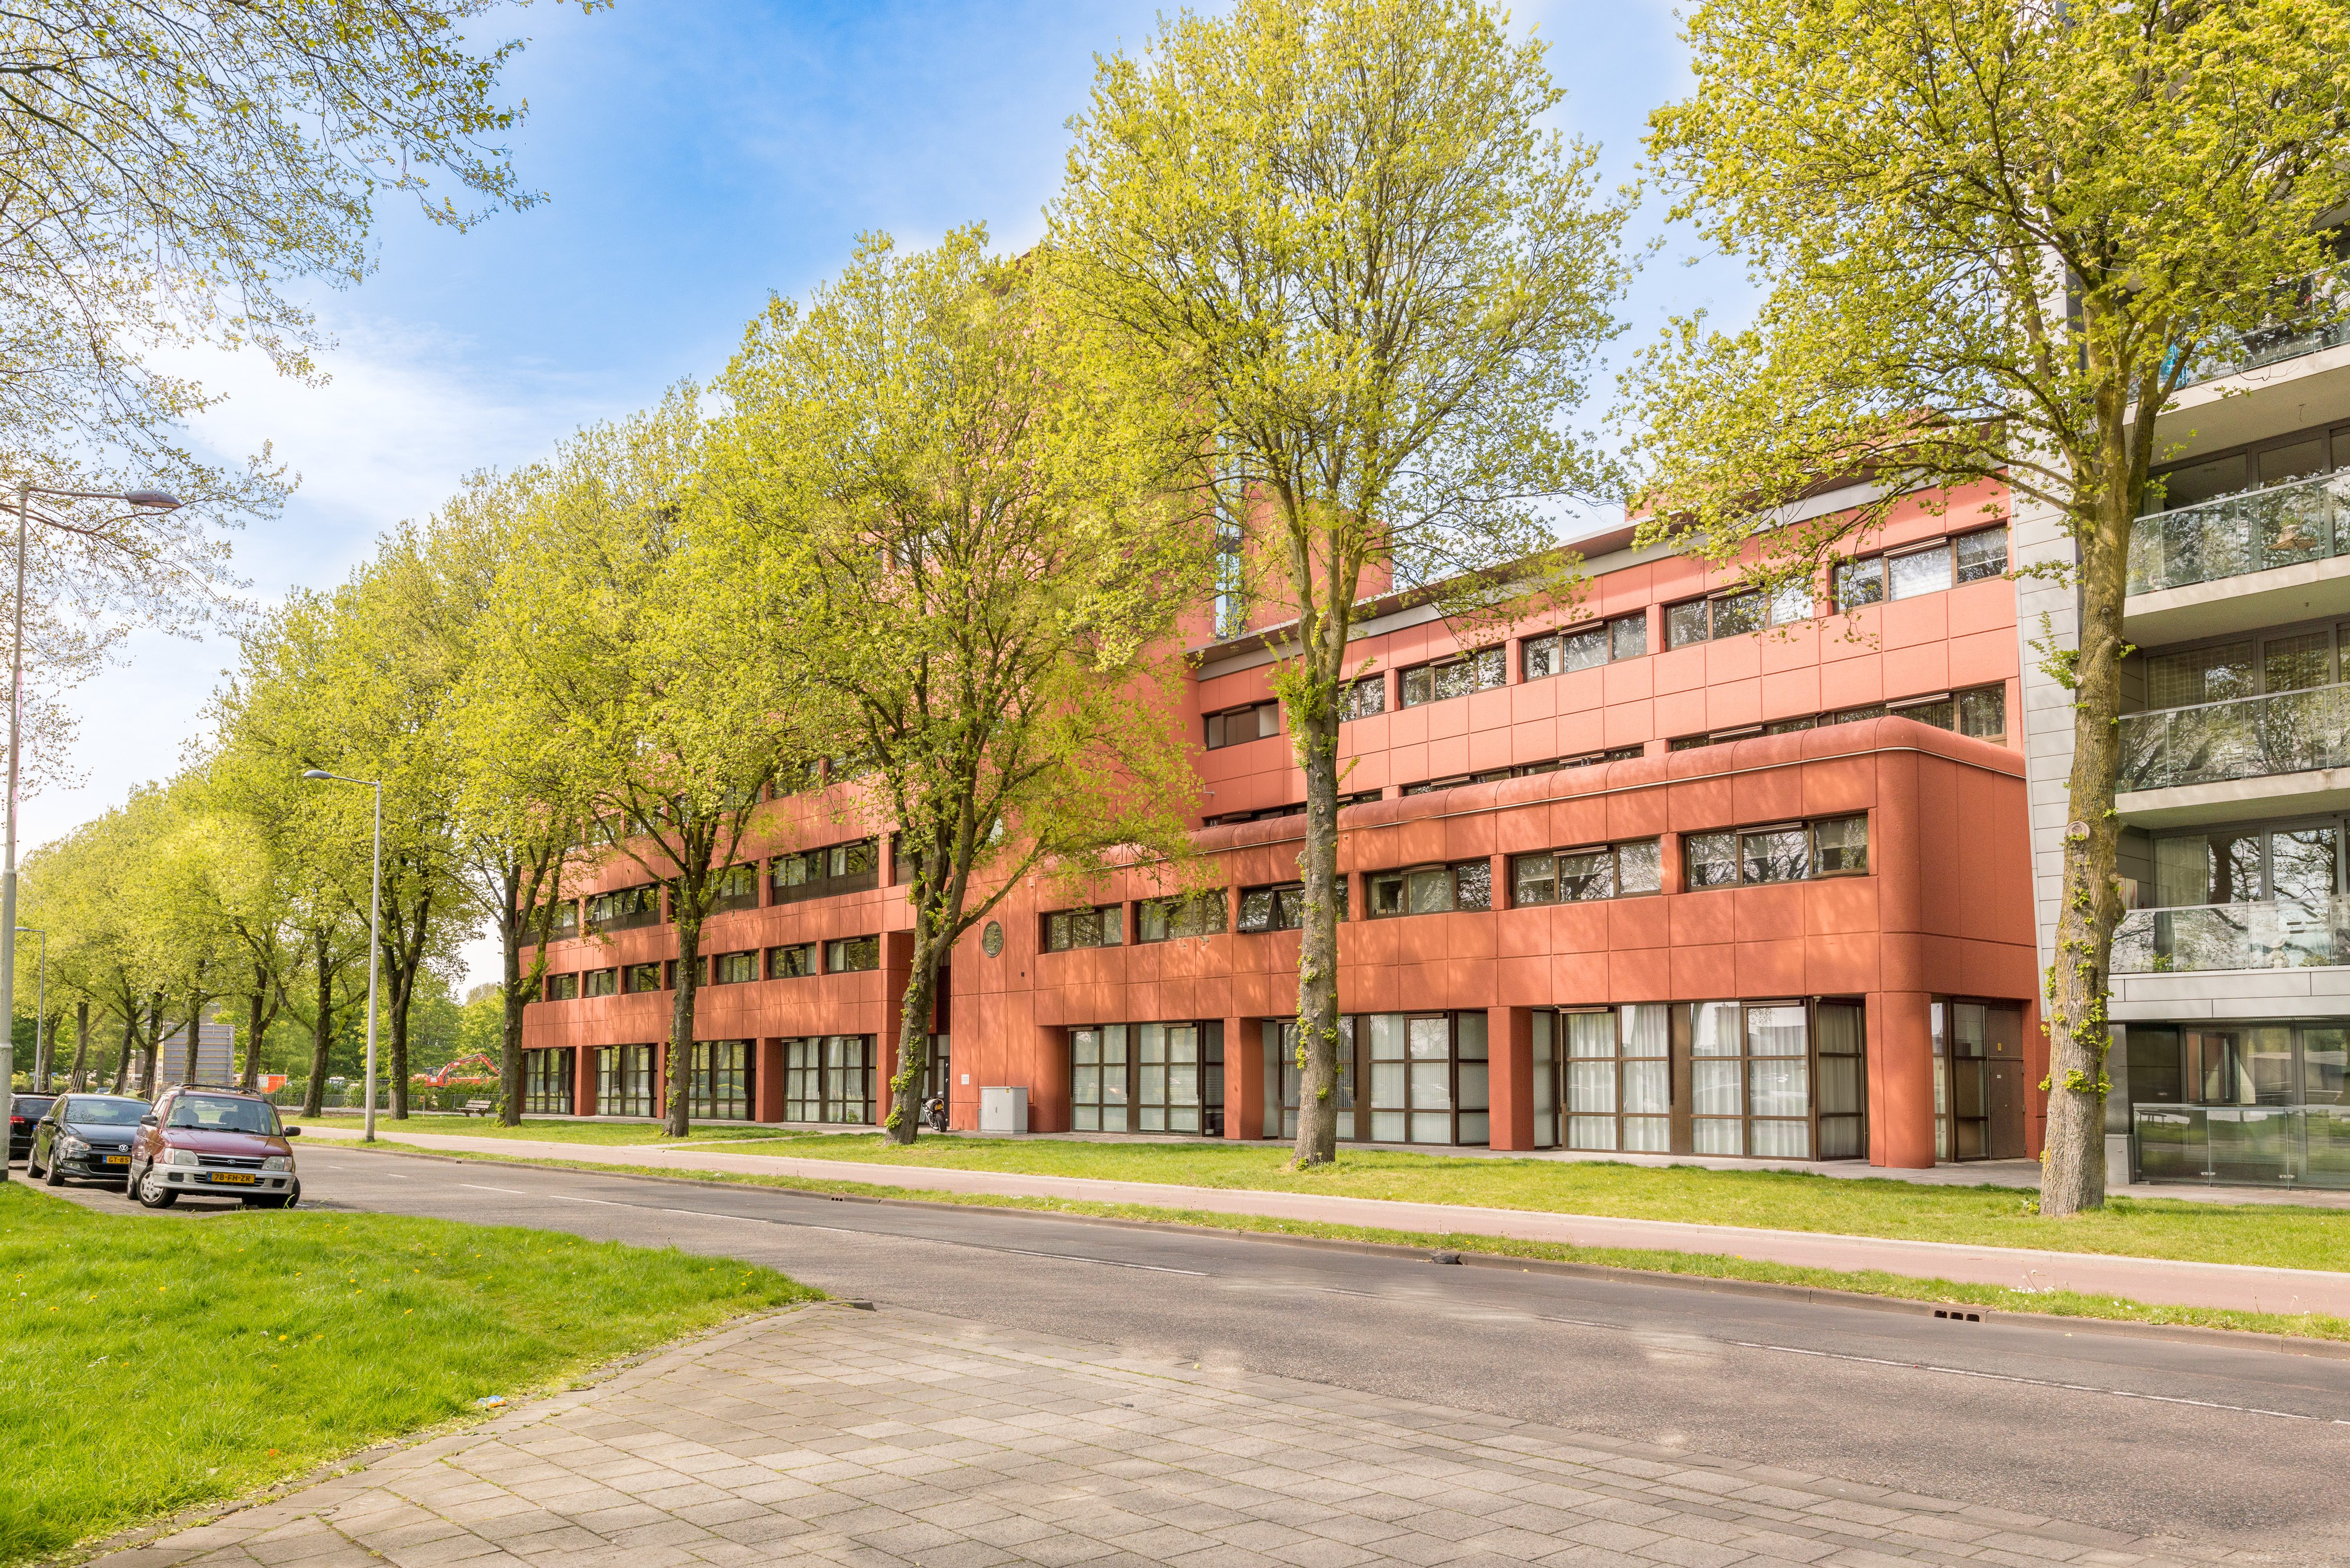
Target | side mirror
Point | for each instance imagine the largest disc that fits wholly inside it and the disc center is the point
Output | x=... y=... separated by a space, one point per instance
x=291 y=1132
x=149 y=1121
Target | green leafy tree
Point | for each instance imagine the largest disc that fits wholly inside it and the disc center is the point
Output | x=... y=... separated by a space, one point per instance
x=1336 y=235
x=972 y=561
x=642 y=650
x=1998 y=238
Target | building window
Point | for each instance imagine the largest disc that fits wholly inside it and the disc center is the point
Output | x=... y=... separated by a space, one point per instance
x=1619 y=1082
x=1363 y=697
x=546 y=1082
x=563 y=923
x=734 y=969
x=1584 y=647
x=850 y=955
x=1190 y=915
x=1429 y=1078
x=851 y=867
x=719 y=1086
x=625 y=910
x=600 y=982
x=1788 y=852
x=1480 y=670
x=1276 y=909
x=1283 y=1078
x=829 y=1078
x=1729 y=615
x=1466 y=884
x=1576 y=876
x=736 y=887
x=1524 y=769
x=1102 y=926
x=641 y=976
x=795 y=962
x=1147 y=1077
x=937 y=1069
x=1750 y=1080
x=1979 y=711
x=1927 y=568
x=1235 y=725
x=624 y=1081
x=560 y=988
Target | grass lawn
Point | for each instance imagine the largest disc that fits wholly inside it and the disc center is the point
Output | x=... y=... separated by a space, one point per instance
x=620 y=1133
x=2278 y=1236
x=148 y=1364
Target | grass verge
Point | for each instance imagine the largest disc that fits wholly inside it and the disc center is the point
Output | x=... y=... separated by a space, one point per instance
x=2269 y=1235
x=1703 y=1265
x=149 y=1363
x=608 y=1134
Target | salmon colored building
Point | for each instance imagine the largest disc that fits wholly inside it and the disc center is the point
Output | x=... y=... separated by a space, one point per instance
x=1669 y=870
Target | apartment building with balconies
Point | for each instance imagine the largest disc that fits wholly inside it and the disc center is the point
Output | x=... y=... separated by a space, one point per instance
x=1665 y=871
x=2231 y=1004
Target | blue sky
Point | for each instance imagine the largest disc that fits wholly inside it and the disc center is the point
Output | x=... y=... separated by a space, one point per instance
x=697 y=155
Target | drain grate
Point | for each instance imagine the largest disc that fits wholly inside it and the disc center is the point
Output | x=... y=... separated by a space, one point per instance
x=1956 y=1315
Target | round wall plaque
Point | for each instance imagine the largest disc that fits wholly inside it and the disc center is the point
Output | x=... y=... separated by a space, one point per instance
x=991 y=940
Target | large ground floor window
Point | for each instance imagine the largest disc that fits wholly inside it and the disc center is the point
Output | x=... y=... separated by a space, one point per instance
x=1403 y=1077
x=546 y=1082
x=1979 y=1080
x=2259 y=1105
x=624 y=1081
x=829 y=1078
x=1147 y=1077
x=721 y=1087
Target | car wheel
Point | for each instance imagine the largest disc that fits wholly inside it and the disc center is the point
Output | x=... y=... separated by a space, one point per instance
x=53 y=1176
x=151 y=1192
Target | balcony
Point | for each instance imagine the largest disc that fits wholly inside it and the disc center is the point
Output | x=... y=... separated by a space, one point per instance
x=2258 y=531
x=2255 y=1145
x=2311 y=315
x=2244 y=738
x=2285 y=934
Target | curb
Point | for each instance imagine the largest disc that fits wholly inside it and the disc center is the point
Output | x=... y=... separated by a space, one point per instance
x=1956 y=1312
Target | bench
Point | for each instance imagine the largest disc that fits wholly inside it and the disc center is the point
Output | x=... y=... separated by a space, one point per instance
x=478 y=1107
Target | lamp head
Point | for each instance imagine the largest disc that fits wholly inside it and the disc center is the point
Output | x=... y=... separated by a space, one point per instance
x=152 y=501
x=316 y=774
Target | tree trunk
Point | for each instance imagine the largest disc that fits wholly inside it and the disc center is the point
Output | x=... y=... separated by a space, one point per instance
x=1315 y=727
x=153 y=1044
x=2073 y=1168
x=678 y=1113
x=903 y=1121
x=130 y=1044
x=510 y=1052
x=196 y=1028
x=81 y=1047
x=322 y=1030
x=256 y=1025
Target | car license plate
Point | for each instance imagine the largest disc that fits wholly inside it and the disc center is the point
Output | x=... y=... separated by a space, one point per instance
x=118 y=1159
x=235 y=1177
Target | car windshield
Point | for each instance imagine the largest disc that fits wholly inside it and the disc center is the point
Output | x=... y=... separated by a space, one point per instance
x=104 y=1112
x=219 y=1113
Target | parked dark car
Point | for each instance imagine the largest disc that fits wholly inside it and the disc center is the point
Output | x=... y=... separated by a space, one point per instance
x=27 y=1110
x=219 y=1141
x=84 y=1137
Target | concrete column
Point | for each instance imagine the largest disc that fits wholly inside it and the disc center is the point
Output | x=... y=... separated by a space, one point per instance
x=767 y=1081
x=583 y=1082
x=1901 y=1080
x=1510 y=1043
x=1244 y=1078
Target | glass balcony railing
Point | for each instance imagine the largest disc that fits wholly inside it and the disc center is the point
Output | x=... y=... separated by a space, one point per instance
x=2284 y=934
x=2312 y=313
x=2307 y=519
x=2256 y=1146
x=2244 y=738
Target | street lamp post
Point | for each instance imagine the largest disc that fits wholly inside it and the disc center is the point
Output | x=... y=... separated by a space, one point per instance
x=144 y=500
x=375 y=908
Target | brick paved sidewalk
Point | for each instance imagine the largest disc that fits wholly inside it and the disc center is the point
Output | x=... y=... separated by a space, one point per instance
x=826 y=1435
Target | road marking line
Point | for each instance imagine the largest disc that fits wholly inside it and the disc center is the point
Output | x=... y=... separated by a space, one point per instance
x=509 y=1192
x=2040 y=1383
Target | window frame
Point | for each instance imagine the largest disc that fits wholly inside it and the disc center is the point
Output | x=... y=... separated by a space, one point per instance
x=638 y=908
x=1881 y=561
x=822 y=858
x=1404 y=878
x=1132 y=1079
x=1283 y=896
x=1554 y=641
x=1350 y=706
x=749 y=875
x=563 y=986
x=629 y=971
x=748 y=962
x=1107 y=922
x=549 y=1080
x=776 y=962
x=1495 y=654
x=624 y=1080
x=838 y=947
x=730 y=1064
x=1768 y=612
x=807 y=1061
x=593 y=981
x=1216 y=728
x=1614 y=849
x=1177 y=914
x=1742 y=858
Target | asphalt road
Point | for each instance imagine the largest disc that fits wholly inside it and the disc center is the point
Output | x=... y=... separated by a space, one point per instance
x=2218 y=1444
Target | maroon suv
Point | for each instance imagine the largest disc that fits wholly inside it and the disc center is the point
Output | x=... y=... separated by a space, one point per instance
x=213 y=1141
